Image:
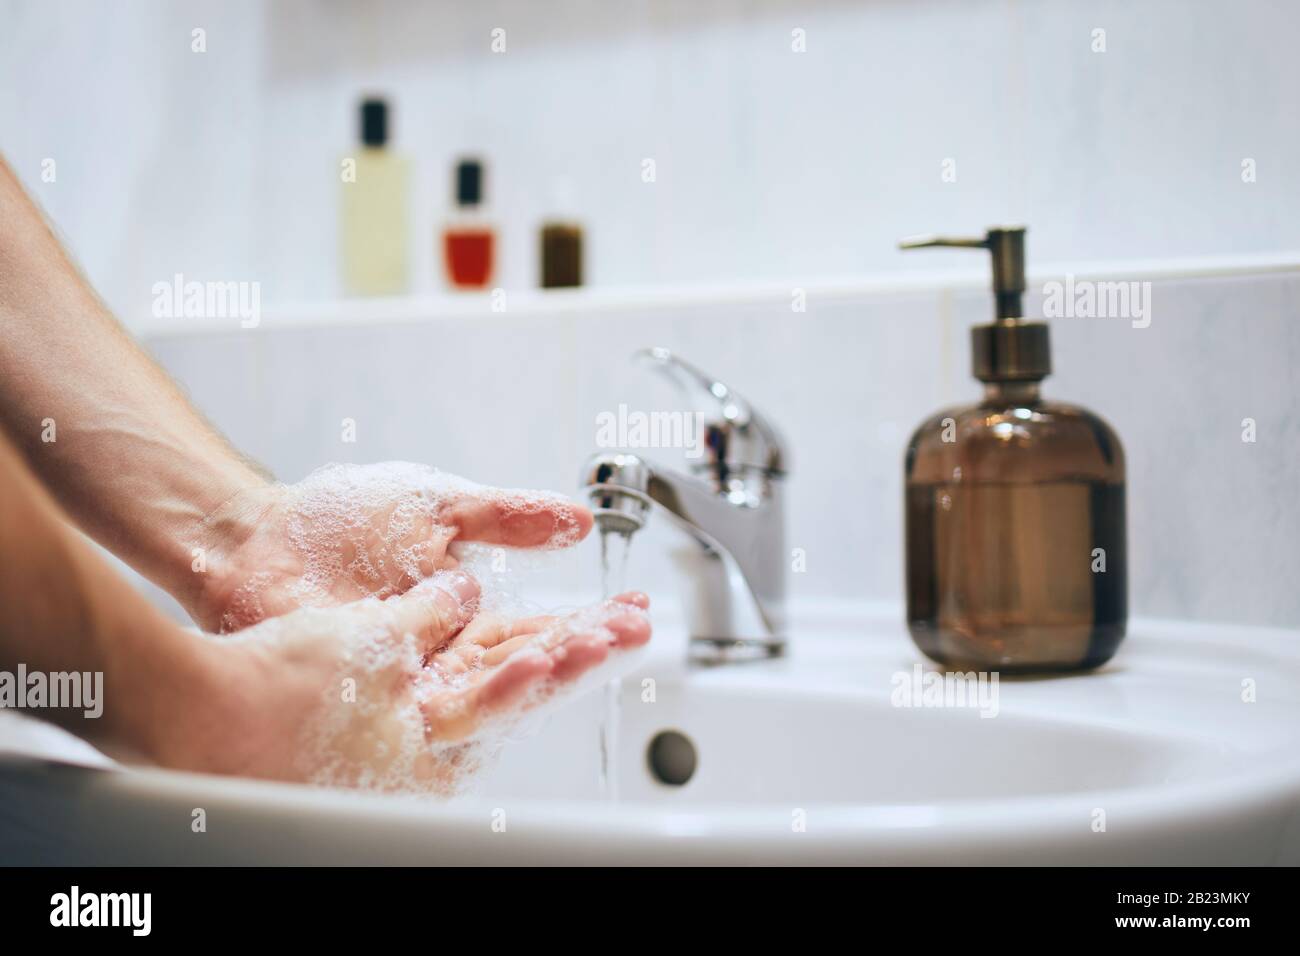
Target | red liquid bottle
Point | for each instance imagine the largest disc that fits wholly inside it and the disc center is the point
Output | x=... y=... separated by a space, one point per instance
x=469 y=241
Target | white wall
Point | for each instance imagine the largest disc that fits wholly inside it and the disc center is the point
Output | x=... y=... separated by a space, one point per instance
x=156 y=149
x=771 y=165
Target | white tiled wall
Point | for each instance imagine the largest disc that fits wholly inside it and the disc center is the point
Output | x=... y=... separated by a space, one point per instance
x=512 y=399
x=771 y=165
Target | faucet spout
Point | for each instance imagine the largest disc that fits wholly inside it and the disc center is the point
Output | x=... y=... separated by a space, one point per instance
x=618 y=489
x=731 y=506
x=733 y=564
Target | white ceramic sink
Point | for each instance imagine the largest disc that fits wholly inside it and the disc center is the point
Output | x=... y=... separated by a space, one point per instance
x=804 y=759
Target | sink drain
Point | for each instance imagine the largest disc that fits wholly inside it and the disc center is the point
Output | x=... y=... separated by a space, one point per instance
x=671 y=758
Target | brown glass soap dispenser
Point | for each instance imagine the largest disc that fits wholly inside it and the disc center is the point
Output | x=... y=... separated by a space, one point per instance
x=1014 y=506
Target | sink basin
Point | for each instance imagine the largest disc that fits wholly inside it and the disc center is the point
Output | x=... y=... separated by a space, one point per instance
x=1156 y=759
x=792 y=747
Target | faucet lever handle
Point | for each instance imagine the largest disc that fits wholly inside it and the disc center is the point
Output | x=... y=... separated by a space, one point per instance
x=739 y=436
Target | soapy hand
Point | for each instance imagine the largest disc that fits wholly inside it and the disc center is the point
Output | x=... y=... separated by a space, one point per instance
x=348 y=532
x=360 y=653
x=404 y=694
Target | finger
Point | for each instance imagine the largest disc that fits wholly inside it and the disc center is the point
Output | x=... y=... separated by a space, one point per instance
x=629 y=630
x=484 y=629
x=517 y=519
x=491 y=632
x=488 y=641
x=625 y=631
x=430 y=558
x=510 y=682
x=496 y=654
x=562 y=652
x=456 y=714
x=638 y=598
x=456 y=659
x=436 y=609
x=430 y=555
x=579 y=654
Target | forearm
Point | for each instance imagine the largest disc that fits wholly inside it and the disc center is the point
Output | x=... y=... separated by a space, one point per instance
x=63 y=610
x=106 y=430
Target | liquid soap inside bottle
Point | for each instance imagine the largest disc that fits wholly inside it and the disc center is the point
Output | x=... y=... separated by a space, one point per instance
x=1015 y=526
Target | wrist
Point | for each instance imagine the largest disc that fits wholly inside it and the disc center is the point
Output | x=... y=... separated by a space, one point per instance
x=219 y=566
x=174 y=715
x=181 y=536
x=158 y=678
x=229 y=706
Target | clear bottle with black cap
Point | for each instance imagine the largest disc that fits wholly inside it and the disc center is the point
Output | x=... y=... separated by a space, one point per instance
x=373 y=209
x=1015 y=506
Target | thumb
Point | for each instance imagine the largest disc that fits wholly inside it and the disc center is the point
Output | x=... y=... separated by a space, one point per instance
x=435 y=609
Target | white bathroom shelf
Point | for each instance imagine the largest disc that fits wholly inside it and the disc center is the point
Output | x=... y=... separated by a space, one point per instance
x=596 y=301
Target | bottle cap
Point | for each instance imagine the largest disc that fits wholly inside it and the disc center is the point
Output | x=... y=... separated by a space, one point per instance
x=469 y=182
x=374 y=122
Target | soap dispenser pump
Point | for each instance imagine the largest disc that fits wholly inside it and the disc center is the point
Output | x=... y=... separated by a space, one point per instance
x=1014 y=512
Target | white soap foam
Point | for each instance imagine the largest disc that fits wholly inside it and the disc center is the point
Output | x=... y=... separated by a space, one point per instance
x=374 y=530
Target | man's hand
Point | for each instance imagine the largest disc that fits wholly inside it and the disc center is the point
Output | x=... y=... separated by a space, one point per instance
x=389 y=694
x=349 y=532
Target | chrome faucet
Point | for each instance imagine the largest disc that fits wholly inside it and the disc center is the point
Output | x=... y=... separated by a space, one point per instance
x=731 y=507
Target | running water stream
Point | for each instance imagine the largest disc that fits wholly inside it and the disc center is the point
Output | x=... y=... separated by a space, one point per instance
x=614 y=547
